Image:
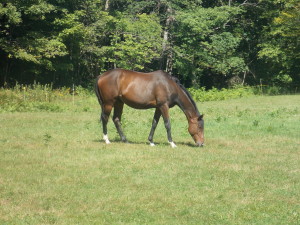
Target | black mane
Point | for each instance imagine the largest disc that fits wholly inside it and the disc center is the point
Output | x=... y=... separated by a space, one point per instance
x=186 y=92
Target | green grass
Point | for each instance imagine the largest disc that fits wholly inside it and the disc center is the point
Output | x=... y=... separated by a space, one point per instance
x=55 y=169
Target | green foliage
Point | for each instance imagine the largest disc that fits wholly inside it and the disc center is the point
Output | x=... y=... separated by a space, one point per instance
x=33 y=98
x=216 y=95
x=272 y=90
x=44 y=98
x=37 y=97
x=136 y=41
x=281 y=46
x=204 y=43
x=11 y=13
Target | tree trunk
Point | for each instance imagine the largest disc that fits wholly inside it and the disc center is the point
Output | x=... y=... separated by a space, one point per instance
x=6 y=72
x=167 y=55
x=244 y=78
x=106 y=5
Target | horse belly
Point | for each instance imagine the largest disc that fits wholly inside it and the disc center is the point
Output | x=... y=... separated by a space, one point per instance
x=138 y=96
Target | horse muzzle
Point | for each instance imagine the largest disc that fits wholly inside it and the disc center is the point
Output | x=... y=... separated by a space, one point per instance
x=199 y=144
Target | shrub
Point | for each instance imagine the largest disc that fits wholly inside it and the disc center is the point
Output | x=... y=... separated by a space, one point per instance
x=37 y=97
x=214 y=94
x=30 y=98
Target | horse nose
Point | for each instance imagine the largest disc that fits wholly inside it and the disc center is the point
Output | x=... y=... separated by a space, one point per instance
x=200 y=144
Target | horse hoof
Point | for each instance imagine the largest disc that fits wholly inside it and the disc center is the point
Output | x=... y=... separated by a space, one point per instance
x=105 y=138
x=173 y=144
x=152 y=144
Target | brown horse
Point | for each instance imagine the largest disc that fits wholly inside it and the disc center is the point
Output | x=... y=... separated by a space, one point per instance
x=138 y=90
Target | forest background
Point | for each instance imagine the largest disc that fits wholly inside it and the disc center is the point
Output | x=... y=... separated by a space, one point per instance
x=204 y=43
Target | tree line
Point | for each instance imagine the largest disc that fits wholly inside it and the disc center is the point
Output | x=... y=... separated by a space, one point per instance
x=207 y=43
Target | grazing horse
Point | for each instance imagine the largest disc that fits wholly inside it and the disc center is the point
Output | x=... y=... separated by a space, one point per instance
x=138 y=90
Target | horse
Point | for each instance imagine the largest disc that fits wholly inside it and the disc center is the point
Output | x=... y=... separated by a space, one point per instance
x=138 y=90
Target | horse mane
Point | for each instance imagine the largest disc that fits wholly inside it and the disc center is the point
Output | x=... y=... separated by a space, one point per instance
x=186 y=92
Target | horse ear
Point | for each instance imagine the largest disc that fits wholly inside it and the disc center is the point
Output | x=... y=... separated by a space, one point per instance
x=200 y=117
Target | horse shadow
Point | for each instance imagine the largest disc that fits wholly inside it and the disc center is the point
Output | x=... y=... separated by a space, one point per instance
x=119 y=141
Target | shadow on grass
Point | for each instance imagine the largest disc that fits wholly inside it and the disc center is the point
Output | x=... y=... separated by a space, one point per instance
x=117 y=140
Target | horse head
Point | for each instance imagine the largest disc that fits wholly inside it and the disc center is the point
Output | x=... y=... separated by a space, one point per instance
x=196 y=130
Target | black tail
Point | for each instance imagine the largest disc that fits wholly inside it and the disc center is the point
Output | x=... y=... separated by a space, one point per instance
x=97 y=91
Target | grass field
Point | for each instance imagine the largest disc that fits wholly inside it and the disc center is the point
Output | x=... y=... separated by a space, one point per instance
x=55 y=169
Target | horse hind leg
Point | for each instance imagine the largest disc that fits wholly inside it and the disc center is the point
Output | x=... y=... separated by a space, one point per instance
x=106 y=110
x=118 y=110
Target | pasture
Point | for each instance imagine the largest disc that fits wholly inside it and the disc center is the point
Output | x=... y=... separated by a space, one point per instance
x=55 y=168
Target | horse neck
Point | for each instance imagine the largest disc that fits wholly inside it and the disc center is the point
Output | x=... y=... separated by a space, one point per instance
x=186 y=105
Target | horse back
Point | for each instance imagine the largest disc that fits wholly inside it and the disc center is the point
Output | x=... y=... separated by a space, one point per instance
x=138 y=90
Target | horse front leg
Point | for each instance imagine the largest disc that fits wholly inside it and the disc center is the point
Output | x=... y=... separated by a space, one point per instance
x=156 y=117
x=165 y=114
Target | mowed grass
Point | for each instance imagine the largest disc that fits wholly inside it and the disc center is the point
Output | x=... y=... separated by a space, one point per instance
x=55 y=168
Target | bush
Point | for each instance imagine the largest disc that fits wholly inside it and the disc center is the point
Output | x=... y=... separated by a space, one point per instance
x=214 y=94
x=37 y=97
x=31 y=98
x=271 y=90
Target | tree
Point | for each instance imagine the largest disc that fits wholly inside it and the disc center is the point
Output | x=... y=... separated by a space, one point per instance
x=202 y=42
x=205 y=43
x=26 y=38
x=136 y=41
x=281 y=46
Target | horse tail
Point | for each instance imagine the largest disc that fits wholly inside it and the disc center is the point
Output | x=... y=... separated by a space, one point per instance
x=97 y=91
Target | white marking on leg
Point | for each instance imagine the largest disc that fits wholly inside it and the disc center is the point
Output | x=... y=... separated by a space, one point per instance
x=172 y=144
x=105 y=138
x=152 y=144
